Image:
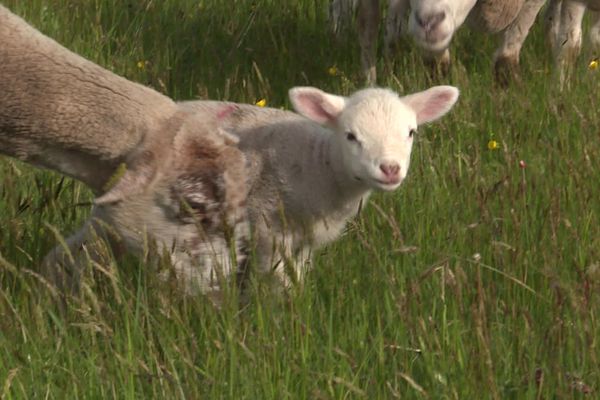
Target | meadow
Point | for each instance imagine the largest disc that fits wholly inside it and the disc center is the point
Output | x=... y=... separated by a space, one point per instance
x=479 y=278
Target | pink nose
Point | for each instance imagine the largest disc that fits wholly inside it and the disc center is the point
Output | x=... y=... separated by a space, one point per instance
x=431 y=21
x=390 y=170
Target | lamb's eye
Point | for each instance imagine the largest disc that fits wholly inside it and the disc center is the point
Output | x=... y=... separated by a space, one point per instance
x=412 y=133
x=351 y=136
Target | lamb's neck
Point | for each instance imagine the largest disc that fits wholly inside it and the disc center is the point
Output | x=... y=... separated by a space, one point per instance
x=60 y=111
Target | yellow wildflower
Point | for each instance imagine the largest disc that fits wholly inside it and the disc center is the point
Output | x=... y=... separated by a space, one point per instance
x=593 y=64
x=141 y=64
x=333 y=71
x=261 y=103
x=493 y=145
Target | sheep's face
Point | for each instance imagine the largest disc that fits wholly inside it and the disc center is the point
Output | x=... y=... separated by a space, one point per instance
x=375 y=133
x=375 y=128
x=432 y=24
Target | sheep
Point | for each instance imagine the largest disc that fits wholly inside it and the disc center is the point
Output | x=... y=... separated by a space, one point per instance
x=564 y=19
x=314 y=171
x=159 y=172
x=432 y=24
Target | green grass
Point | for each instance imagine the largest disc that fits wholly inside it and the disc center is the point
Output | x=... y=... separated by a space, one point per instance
x=476 y=279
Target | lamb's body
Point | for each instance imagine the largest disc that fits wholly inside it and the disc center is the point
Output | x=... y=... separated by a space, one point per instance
x=62 y=112
x=300 y=198
x=309 y=179
x=432 y=24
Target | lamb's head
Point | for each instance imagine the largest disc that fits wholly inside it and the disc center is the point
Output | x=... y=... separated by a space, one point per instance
x=374 y=128
x=432 y=23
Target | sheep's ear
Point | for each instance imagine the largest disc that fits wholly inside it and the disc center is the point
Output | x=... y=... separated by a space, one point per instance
x=315 y=104
x=432 y=103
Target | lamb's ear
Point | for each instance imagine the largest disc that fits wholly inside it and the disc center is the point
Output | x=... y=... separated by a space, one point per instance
x=432 y=103
x=315 y=104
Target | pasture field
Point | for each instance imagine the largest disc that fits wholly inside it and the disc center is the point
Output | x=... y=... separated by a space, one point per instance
x=479 y=278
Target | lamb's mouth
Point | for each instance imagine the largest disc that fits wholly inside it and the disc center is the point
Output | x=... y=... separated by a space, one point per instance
x=433 y=41
x=388 y=185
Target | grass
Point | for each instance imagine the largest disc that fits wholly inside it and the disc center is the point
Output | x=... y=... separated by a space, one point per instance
x=476 y=279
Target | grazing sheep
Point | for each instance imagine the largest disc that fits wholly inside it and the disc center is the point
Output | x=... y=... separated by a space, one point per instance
x=432 y=24
x=314 y=171
x=161 y=173
x=564 y=19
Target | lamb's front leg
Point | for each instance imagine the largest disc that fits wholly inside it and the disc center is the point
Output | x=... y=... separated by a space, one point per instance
x=506 y=58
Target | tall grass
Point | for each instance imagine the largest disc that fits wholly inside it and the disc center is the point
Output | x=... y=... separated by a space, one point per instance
x=478 y=278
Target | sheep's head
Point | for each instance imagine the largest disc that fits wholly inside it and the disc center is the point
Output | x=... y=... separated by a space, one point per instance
x=375 y=127
x=186 y=189
x=432 y=23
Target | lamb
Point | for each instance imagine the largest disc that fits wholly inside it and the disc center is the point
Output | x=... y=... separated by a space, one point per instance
x=160 y=172
x=564 y=19
x=314 y=171
x=432 y=24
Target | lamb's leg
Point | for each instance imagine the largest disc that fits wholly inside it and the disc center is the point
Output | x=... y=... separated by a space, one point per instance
x=506 y=58
x=568 y=44
x=552 y=22
x=368 y=23
x=395 y=23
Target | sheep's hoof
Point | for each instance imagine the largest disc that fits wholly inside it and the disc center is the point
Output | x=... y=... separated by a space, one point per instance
x=506 y=72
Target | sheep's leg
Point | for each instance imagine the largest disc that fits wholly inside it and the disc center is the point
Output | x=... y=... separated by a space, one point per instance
x=340 y=16
x=368 y=23
x=506 y=58
x=395 y=23
x=552 y=22
x=595 y=31
x=568 y=44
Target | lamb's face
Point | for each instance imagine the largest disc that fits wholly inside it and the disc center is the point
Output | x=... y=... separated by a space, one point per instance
x=376 y=132
x=432 y=24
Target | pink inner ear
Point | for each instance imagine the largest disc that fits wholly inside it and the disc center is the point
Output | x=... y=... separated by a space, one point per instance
x=432 y=103
x=312 y=107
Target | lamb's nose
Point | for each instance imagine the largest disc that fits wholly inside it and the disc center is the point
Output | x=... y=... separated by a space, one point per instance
x=390 y=169
x=430 y=22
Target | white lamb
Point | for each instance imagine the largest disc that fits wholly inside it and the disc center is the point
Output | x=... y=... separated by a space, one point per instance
x=432 y=24
x=313 y=172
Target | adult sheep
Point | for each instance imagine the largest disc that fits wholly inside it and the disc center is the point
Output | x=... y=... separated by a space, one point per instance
x=432 y=24
x=159 y=171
